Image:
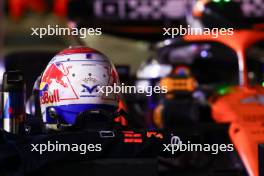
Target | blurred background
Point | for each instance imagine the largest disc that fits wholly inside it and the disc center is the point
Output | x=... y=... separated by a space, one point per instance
x=132 y=37
x=130 y=28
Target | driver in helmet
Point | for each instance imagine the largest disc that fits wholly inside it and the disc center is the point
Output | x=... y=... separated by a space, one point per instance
x=69 y=89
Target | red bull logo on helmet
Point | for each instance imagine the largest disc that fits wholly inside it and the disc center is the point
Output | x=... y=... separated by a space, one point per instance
x=54 y=73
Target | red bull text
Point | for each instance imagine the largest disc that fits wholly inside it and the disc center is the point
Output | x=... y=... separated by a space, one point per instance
x=47 y=98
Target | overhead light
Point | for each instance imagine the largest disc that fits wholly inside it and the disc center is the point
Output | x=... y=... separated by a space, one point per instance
x=218 y=1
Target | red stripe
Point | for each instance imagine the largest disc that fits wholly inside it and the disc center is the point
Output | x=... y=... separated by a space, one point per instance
x=77 y=50
x=137 y=135
x=128 y=135
x=137 y=140
x=128 y=131
x=133 y=135
x=133 y=140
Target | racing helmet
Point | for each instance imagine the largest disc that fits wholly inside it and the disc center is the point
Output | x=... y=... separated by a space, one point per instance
x=73 y=83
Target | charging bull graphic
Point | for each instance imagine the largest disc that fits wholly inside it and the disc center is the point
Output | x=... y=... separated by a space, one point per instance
x=54 y=72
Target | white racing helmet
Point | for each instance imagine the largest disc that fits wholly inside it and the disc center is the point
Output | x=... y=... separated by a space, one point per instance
x=70 y=85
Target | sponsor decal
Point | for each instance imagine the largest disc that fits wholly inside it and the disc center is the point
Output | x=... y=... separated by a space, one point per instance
x=89 y=89
x=47 y=98
x=53 y=73
x=56 y=75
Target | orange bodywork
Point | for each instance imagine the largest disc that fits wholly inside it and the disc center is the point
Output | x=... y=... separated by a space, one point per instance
x=121 y=118
x=243 y=108
x=243 y=105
